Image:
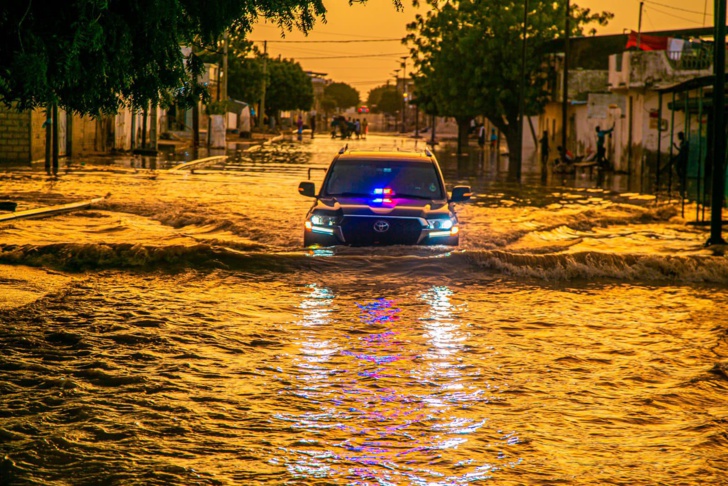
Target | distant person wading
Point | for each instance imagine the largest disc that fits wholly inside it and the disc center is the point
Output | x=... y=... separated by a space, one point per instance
x=601 y=147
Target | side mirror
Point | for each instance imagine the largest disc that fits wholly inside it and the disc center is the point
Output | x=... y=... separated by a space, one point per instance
x=460 y=193
x=307 y=188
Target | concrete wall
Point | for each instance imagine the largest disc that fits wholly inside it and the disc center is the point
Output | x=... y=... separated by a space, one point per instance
x=37 y=135
x=635 y=138
x=23 y=136
x=14 y=136
x=644 y=69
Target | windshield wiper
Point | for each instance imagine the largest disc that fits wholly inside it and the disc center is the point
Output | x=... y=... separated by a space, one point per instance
x=414 y=196
x=349 y=194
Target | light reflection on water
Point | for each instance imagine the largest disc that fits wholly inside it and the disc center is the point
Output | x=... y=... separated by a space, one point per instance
x=178 y=334
x=389 y=433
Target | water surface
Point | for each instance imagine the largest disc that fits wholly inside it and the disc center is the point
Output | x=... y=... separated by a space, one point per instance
x=177 y=333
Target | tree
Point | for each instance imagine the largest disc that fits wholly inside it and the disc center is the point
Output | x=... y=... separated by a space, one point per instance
x=245 y=79
x=384 y=99
x=328 y=105
x=288 y=88
x=391 y=101
x=245 y=67
x=344 y=95
x=92 y=56
x=467 y=54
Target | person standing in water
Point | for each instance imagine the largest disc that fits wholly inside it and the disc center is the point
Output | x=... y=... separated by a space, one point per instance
x=601 y=147
x=299 y=124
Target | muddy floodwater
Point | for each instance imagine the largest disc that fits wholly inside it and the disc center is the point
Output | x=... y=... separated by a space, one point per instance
x=177 y=333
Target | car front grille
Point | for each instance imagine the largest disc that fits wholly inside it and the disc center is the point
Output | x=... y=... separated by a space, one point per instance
x=400 y=231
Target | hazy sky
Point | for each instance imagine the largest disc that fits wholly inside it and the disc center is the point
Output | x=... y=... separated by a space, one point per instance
x=365 y=65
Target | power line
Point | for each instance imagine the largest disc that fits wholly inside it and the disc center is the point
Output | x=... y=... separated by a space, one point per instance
x=265 y=25
x=326 y=41
x=365 y=82
x=678 y=8
x=675 y=16
x=351 y=57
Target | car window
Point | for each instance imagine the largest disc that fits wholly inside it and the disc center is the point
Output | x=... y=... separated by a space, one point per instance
x=365 y=177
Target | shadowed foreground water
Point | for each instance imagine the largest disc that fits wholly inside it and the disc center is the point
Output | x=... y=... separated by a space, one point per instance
x=178 y=334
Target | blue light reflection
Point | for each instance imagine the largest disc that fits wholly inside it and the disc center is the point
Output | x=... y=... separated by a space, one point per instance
x=386 y=401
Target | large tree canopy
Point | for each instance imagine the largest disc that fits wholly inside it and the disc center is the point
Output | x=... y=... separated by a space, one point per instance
x=384 y=99
x=344 y=95
x=468 y=57
x=93 y=56
x=288 y=88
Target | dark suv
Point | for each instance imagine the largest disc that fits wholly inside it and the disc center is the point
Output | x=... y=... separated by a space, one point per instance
x=382 y=198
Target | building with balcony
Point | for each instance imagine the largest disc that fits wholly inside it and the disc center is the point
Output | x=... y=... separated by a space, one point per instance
x=610 y=85
x=643 y=117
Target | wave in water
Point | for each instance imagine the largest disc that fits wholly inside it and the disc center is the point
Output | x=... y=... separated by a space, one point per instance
x=374 y=261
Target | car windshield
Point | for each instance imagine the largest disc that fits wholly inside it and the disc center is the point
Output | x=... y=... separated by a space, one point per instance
x=384 y=178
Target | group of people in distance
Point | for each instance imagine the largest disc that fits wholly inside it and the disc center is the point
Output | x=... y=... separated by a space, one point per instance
x=566 y=158
x=348 y=128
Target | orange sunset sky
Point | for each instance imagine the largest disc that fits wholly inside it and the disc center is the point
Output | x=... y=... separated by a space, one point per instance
x=365 y=65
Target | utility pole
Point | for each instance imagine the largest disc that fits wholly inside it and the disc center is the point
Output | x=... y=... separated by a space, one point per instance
x=145 y=114
x=49 y=137
x=719 y=143
x=396 y=88
x=404 y=94
x=565 y=87
x=432 y=131
x=153 y=120
x=265 y=76
x=54 y=127
x=639 y=27
x=514 y=166
x=225 y=66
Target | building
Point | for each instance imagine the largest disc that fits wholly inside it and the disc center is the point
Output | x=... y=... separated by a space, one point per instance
x=23 y=133
x=612 y=83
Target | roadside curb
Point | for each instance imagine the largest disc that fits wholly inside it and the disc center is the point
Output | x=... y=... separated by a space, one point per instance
x=51 y=210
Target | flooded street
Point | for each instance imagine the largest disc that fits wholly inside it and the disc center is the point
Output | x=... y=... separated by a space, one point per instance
x=177 y=333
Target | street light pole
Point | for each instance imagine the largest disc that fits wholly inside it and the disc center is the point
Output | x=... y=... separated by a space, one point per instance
x=565 y=85
x=719 y=142
x=514 y=166
x=224 y=94
x=396 y=89
x=262 y=96
x=404 y=94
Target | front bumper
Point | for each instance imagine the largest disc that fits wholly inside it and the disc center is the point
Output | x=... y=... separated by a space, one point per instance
x=379 y=231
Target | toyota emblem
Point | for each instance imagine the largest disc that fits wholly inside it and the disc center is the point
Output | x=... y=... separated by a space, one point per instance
x=381 y=226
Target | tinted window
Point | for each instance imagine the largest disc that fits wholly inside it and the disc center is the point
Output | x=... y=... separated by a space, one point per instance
x=364 y=177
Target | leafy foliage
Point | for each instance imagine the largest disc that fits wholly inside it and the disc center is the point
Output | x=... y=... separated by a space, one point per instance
x=245 y=79
x=93 y=56
x=384 y=99
x=468 y=57
x=289 y=87
x=328 y=105
x=343 y=95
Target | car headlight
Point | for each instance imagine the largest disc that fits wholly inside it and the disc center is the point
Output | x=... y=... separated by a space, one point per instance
x=440 y=224
x=323 y=220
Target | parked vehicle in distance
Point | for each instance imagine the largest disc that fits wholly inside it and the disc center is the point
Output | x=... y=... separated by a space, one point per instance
x=382 y=198
x=363 y=109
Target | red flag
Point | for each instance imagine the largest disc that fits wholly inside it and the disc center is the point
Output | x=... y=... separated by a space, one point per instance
x=647 y=42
